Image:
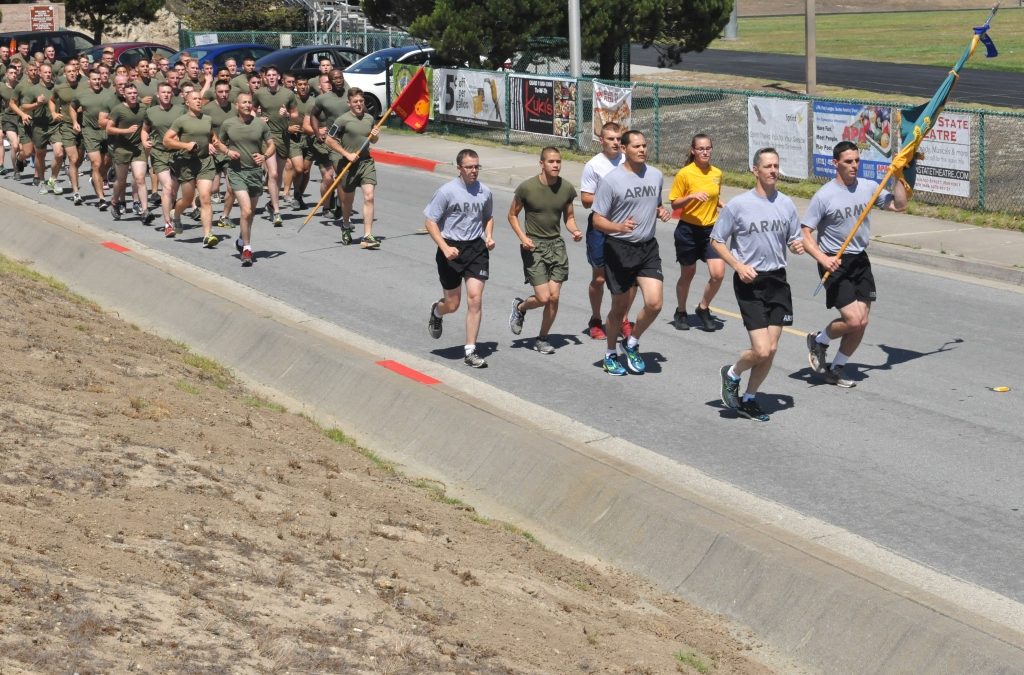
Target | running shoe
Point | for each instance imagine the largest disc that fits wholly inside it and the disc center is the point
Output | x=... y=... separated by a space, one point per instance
x=43 y=187
x=474 y=360
x=816 y=353
x=18 y=168
x=217 y=198
x=76 y=199
x=137 y=208
x=613 y=366
x=210 y=241
x=4 y=171
x=115 y=210
x=246 y=257
x=277 y=219
x=516 y=317
x=337 y=212
x=370 y=242
x=838 y=377
x=169 y=231
x=178 y=229
x=35 y=182
x=194 y=214
x=680 y=321
x=730 y=389
x=346 y=235
x=300 y=205
x=102 y=204
x=434 y=326
x=627 y=328
x=543 y=346
x=634 y=361
x=147 y=216
x=751 y=411
x=707 y=323
x=224 y=222
x=51 y=185
x=154 y=199
x=595 y=330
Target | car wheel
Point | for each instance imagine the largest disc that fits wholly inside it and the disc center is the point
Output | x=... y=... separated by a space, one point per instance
x=372 y=105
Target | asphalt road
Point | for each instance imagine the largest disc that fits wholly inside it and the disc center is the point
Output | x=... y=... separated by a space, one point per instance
x=921 y=457
x=975 y=86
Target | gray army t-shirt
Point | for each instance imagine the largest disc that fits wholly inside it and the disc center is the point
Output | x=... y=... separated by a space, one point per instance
x=758 y=229
x=461 y=210
x=622 y=194
x=834 y=211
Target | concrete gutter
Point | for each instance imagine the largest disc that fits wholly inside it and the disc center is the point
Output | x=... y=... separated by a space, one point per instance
x=830 y=601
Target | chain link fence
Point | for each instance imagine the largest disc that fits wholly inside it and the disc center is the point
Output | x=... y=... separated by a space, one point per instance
x=367 y=41
x=671 y=114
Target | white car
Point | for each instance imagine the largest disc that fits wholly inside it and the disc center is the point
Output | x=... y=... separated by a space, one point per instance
x=371 y=73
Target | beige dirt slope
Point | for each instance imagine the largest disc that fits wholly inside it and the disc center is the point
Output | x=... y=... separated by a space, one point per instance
x=157 y=517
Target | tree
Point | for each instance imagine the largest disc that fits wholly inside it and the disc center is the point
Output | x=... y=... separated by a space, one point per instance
x=110 y=16
x=463 y=30
x=236 y=15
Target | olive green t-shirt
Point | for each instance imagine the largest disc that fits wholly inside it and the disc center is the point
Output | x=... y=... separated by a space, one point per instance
x=146 y=87
x=91 y=103
x=196 y=130
x=352 y=132
x=6 y=94
x=239 y=85
x=270 y=103
x=217 y=114
x=65 y=94
x=247 y=138
x=544 y=205
x=28 y=93
x=160 y=121
x=329 y=107
x=123 y=117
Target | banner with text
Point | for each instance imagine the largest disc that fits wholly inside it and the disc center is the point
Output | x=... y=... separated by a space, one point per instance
x=543 y=106
x=471 y=97
x=779 y=124
x=869 y=126
x=946 y=167
x=612 y=104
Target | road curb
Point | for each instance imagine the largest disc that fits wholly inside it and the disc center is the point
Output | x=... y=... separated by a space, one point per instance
x=820 y=607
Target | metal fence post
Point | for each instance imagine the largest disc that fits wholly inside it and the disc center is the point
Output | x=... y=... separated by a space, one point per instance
x=508 y=109
x=981 y=160
x=657 y=124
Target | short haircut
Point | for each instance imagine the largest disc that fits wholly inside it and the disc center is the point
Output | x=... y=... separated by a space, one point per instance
x=353 y=92
x=628 y=136
x=611 y=126
x=549 y=149
x=268 y=69
x=843 y=146
x=763 y=151
x=464 y=154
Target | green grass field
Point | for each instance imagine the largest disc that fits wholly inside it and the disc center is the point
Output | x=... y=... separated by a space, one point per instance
x=925 y=38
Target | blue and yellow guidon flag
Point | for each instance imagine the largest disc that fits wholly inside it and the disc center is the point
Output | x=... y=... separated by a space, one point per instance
x=916 y=122
x=413 y=104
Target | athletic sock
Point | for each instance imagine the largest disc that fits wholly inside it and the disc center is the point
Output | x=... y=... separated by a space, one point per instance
x=470 y=349
x=610 y=354
x=732 y=374
x=632 y=342
x=840 y=360
x=823 y=338
x=247 y=248
x=748 y=397
x=434 y=311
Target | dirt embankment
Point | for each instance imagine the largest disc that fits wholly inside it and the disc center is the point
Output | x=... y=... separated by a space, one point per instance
x=157 y=517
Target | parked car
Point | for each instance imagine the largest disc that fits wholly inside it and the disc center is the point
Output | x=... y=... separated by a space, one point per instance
x=371 y=72
x=130 y=53
x=218 y=54
x=305 y=61
x=65 y=42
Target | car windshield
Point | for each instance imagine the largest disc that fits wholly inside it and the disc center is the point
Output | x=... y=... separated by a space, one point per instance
x=377 y=62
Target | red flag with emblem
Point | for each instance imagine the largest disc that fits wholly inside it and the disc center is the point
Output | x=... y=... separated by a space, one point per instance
x=413 y=104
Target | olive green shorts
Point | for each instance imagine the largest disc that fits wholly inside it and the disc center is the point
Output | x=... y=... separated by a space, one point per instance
x=246 y=180
x=364 y=172
x=296 y=145
x=94 y=140
x=66 y=136
x=127 y=154
x=187 y=168
x=548 y=261
x=321 y=155
x=39 y=133
x=281 y=145
x=160 y=160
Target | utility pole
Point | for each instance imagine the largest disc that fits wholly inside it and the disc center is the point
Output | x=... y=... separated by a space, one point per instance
x=732 y=29
x=575 y=48
x=811 y=49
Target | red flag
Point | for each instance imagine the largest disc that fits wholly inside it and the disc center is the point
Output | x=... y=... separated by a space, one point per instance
x=413 y=104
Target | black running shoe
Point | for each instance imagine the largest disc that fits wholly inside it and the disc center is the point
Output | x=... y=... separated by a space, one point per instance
x=680 y=321
x=752 y=411
x=730 y=389
x=434 y=323
x=707 y=323
x=838 y=377
x=816 y=354
x=115 y=210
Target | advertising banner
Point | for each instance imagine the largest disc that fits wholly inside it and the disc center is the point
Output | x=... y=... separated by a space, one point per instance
x=869 y=126
x=471 y=97
x=612 y=104
x=946 y=167
x=780 y=124
x=543 y=106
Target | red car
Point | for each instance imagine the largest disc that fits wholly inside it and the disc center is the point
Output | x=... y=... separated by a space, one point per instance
x=130 y=53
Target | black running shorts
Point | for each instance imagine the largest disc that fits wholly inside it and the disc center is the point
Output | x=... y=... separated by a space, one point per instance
x=693 y=243
x=766 y=301
x=851 y=282
x=473 y=262
x=625 y=261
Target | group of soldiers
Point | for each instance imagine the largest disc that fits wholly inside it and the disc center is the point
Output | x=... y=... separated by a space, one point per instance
x=752 y=234
x=182 y=132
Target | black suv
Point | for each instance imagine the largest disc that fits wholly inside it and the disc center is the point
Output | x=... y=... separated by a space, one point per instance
x=65 y=42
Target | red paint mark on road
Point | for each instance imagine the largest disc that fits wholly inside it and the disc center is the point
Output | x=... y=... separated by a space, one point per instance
x=385 y=157
x=116 y=247
x=406 y=371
